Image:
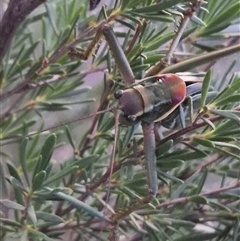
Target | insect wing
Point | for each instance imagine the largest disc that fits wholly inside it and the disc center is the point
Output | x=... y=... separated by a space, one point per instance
x=174 y=119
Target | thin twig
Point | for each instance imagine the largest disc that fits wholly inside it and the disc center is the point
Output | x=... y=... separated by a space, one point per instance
x=134 y=38
x=187 y=199
x=112 y=159
x=166 y=61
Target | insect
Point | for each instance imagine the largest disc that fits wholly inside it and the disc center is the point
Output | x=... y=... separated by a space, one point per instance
x=90 y=189
x=154 y=99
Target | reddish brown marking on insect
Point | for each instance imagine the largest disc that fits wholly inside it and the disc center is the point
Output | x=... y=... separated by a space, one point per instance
x=177 y=87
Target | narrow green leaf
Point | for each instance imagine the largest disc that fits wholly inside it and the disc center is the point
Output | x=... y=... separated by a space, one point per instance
x=70 y=138
x=11 y=205
x=164 y=148
x=204 y=142
x=22 y=157
x=49 y=217
x=108 y=124
x=228 y=71
x=187 y=155
x=86 y=161
x=170 y=177
x=208 y=122
x=155 y=17
x=228 y=100
x=228 y=139
x=227 y=15
x=128 y=135
x=124 y=4
x=198 y=21
x=18 y=129
x=13 y=69
x=46 y=153
x=25 y=64
x=132 y=18
x=197 y=237
x=158 y=7
x=4 y=228
x=177 y=192
x=219 y=143
x=153 y=45
x=60 y=175
x=81 y=205
x=129 y=172
x=169 y=163
x=5 y=192
x=201 y=59
x=202 y=181
x=29 y=50
x=198 y=199
x=180 y=222
x=65 y=190
x=140 y=68
x=225 y=127
x=24 y=236
x=237 y=157
x=37 y=235
x=31 y=213
x=18 y=185
x=205 y=87
x=38 y=180
x=220 y=206
x=226 y=113
x=124 y=23
x=10 y=222
x=65 y=92
x=197 y=150
x=13 y=172
x=229 y=90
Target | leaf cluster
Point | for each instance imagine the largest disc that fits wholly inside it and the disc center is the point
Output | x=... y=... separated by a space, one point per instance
x=61 y=184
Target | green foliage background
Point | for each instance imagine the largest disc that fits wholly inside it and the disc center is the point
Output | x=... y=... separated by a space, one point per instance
x=55 y=186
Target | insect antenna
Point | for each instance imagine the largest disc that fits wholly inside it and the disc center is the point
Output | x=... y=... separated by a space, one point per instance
x=73 y=120
x=111 y=164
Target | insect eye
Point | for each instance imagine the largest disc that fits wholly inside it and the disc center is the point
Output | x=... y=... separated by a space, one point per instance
x=131 y=118
x=118 y=94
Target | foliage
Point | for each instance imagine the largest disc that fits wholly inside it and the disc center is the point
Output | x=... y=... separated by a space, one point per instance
x=60 y=184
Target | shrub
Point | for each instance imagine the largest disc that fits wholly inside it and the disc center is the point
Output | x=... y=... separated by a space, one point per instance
x=64 y=185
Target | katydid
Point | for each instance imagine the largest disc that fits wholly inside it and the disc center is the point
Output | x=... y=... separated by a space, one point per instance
x=151 y=100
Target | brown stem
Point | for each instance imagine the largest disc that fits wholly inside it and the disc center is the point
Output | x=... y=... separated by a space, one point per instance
x=202 y=166
x=15 y=14
x=134 y=38
x=186 y=199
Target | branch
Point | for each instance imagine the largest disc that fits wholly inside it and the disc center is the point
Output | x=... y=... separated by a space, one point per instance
x=205 y=194
x=15 y=14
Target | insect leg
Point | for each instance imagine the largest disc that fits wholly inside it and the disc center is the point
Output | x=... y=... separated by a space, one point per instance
x=119 y=56
x=150 y=159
